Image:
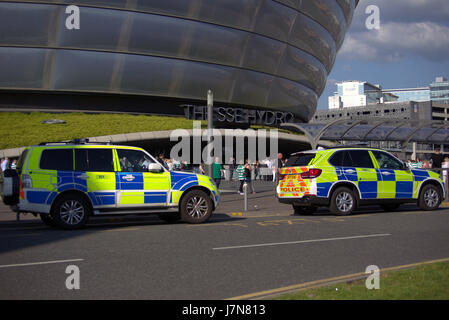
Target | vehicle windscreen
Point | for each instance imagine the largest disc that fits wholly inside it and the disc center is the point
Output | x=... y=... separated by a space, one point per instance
x=301 y=159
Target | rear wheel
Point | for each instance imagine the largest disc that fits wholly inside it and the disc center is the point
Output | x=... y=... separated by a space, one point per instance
x=429 y=198
x=343 y=201
x=196 y=207
x=304 y=210
x=71 y=211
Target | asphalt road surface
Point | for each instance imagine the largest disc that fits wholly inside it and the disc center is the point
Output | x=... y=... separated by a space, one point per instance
x=234 y=254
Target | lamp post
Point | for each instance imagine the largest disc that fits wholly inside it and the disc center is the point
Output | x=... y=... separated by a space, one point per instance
x=210 y=126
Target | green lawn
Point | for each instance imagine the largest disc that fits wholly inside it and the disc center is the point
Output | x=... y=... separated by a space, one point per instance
x=427 y=282
x=21 y=129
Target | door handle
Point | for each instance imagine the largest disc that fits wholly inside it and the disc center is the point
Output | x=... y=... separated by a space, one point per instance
x=387 y=173
x=349 y=171
x=83 y=176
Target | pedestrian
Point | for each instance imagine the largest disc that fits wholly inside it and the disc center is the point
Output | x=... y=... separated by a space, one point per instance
x=257 y=170
x=279 y=166
x=248 y=180
x=5 y=164
x=436 y=158
x=445 y=166
x=232 y=166
x=217 y=171
x=241 y=176
x=426 y=164
x=14 y=164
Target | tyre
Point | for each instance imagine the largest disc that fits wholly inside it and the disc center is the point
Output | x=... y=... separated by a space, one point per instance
x=389 y=207
x=71 y=211
x=48 y=220
x=343 y=201
x=429 y=198
x=196 y=207
x=170 y=217
x=304 y=210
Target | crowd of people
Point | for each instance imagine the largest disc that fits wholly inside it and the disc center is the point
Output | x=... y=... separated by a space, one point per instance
x=6 y=164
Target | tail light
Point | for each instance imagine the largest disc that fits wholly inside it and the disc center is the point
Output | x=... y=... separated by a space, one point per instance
x=311 y=174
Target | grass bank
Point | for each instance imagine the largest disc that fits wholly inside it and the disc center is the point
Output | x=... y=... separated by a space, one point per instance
x=427 y=282
x=22 y=129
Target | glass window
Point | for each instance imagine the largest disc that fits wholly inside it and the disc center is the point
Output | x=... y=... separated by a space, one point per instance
x=96 y=160
x=133 y=160
x=57 y=159
x=21 y=160
x=387 y=161
x=361 y=159
x=302 y=159
x=341 y=159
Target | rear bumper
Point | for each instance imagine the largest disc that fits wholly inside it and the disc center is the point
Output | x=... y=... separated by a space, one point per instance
x=306 y=201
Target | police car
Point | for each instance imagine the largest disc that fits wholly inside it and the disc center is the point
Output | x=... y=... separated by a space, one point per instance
x=66 y=183
x=345 y=178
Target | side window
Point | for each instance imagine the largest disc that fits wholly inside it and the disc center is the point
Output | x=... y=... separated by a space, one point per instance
x=96 y=160
x=341 y=159
x=133 y=160
x=387 y=161
x=57 y=159
x=361 y=159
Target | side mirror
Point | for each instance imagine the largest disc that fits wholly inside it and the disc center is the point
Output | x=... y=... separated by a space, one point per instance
x=406 y=166
x=154 y=167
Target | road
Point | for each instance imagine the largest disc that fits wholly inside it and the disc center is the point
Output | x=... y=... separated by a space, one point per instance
x=233 y=255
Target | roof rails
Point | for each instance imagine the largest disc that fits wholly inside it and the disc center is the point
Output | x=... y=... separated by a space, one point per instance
x=74 y=141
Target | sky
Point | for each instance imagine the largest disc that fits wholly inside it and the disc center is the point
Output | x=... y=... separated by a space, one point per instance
x=410 y=48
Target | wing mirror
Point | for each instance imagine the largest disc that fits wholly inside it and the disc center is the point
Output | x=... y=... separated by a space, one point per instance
x=154 y=167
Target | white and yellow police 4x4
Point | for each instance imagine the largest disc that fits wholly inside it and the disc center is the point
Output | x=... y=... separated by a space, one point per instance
x=344 y=178
x=68 y=182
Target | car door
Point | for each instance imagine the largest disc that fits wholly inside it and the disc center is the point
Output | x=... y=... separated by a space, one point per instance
x=95 y=174
x=366 y=175
x=137 y=186
x=397 y=179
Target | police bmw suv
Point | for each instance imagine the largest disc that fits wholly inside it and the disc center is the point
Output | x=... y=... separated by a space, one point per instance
x=66 y=183
x=345 y=178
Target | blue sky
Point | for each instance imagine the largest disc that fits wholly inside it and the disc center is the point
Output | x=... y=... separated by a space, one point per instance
x=410 y=49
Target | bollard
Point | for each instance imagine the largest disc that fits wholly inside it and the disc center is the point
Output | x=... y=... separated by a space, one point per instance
x=245 y=196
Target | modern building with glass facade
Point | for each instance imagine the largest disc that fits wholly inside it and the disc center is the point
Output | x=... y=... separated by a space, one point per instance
x=410 y=94
x=439 y=90
x=154 y=55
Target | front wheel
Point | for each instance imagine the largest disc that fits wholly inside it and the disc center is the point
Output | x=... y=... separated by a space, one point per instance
x=429 y=198
x=71 y=211
x=196 y=207
x=343 y=202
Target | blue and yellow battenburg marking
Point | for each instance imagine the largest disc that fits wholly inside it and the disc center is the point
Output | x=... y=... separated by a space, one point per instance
x=372 y=183
x=135 y=188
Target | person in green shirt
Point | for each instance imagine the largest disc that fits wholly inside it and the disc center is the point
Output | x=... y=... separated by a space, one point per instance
x=217 y=170
x=241 y=175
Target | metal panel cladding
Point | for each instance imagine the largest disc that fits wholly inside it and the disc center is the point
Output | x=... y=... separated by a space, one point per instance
x=262 y=54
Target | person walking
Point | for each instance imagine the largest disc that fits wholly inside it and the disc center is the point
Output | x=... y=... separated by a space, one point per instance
x=241 y=176
x=248 y=170
x=436 y=158
x=217 y=171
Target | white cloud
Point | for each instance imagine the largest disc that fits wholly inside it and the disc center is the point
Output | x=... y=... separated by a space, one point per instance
x=395 y=41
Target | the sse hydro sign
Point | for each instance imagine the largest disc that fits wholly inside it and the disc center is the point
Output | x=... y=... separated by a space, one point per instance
x=239 y=116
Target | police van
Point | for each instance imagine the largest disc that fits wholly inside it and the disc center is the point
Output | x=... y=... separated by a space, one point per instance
x=345 y=178
x=66 y=183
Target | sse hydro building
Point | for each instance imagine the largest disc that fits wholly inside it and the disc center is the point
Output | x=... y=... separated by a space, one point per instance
x=154 y=56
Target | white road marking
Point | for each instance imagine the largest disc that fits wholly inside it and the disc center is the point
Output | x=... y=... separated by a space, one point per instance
x=303 y=241
x=38 y=263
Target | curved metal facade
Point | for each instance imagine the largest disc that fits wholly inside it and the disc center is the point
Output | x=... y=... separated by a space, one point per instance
x=262 y=54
